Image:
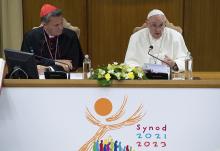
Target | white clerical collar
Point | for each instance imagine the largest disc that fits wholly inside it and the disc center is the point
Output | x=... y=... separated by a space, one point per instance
x=50 y=36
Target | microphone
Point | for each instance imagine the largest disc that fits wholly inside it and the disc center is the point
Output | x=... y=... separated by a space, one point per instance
x=51 y=60
x=151 y=48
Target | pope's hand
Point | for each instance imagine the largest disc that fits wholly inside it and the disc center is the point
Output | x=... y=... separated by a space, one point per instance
x=169 y=61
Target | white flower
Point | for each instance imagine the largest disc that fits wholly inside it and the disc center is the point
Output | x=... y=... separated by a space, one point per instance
x=118 y=75
x=129 y=69
x=140 y=75
x=111 y=71
x=126 y=76
x=115 y=63
x=102 y=72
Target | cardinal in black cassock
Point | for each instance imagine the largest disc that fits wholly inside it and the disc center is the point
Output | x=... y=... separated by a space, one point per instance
x=53 y=41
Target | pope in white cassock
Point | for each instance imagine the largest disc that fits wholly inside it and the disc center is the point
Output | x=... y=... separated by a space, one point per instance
x=168 y=44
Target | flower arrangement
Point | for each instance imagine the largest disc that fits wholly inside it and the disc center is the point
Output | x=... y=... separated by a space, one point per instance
x=115 y=71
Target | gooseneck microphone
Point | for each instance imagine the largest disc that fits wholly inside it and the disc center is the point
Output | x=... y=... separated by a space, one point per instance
x=52 y=60
x=151 y=48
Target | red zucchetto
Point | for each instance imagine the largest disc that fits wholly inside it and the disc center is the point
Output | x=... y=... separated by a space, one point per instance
x=46 y=9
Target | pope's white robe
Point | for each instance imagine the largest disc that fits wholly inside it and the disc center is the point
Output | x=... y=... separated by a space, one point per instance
x=171 y=43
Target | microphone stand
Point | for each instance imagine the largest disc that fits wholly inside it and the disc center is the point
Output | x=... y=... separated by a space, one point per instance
x=151 y=48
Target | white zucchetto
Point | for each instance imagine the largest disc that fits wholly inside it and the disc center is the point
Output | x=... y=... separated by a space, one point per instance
x=154 y=12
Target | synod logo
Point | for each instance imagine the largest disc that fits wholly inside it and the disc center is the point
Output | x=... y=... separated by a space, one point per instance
x=143 y=136
x=103 y=107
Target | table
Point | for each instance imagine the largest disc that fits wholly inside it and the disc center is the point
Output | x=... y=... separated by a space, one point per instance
x=57 y=115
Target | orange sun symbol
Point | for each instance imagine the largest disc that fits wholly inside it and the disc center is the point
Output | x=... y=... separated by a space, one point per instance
x=103 y=106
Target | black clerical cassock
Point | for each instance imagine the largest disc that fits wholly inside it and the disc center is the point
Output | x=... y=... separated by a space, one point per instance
x=64 y=46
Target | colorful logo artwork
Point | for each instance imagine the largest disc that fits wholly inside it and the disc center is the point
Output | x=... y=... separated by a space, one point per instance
x=103 y=107
x=110 y=145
